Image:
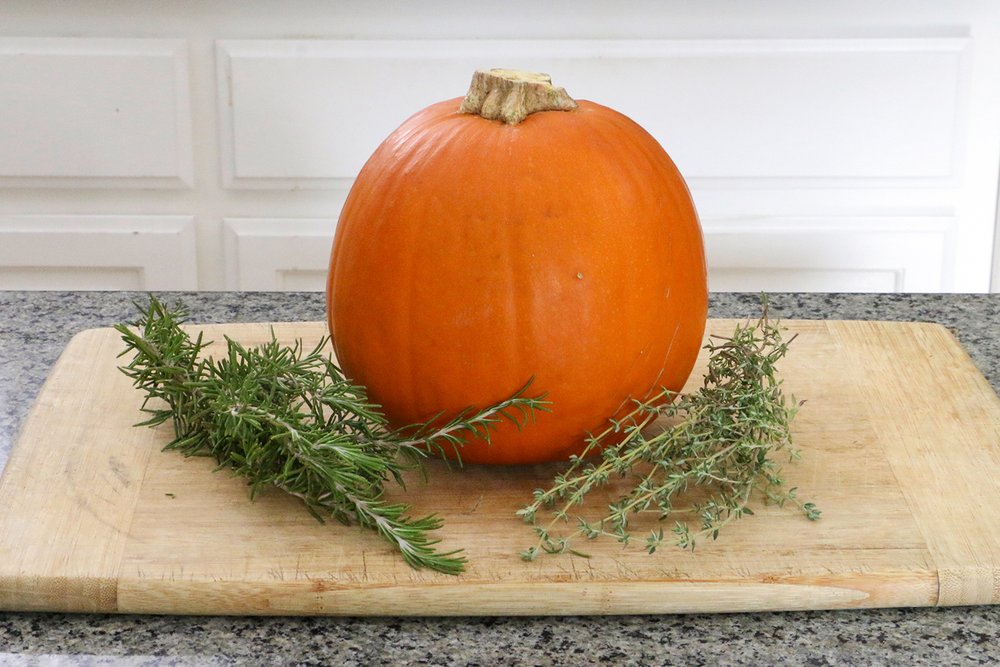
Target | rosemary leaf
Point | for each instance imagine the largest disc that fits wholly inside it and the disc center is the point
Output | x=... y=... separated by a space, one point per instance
x=719 y=439
x=286 y=417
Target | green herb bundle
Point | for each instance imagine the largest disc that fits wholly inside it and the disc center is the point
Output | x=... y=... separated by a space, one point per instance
x=286 y=417
x=718 y=440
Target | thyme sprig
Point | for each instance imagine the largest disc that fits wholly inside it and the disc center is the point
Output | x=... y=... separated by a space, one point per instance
x=285 y=416
x=719 y=439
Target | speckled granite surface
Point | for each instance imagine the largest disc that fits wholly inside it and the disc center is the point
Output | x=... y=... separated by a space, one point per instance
x=35 y=326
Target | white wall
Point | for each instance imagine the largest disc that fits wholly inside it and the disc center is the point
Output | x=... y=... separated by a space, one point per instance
x=835 y=146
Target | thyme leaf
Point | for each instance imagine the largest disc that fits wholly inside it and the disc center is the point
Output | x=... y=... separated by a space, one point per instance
x=719 y=439
x=285 y=416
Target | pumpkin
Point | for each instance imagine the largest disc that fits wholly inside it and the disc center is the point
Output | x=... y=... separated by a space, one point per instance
x=517 y=235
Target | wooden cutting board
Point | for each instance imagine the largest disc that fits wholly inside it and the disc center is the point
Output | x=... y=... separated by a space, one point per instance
x=900 y=437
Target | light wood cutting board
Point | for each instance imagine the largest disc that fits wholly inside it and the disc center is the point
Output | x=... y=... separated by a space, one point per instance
x=900 y=437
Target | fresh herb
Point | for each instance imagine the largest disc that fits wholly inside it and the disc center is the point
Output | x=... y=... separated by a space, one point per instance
x=285 y=417
x=718 y=440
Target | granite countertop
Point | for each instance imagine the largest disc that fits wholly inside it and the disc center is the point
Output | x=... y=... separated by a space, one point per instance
x=37 y=325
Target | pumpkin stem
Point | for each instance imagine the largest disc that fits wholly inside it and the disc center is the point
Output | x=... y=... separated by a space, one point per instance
x=512 y=95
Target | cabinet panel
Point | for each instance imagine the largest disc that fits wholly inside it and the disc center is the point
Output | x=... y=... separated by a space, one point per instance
x=94 y=112
x=70 y=252
x=278 y=254
x=309 y=113
x=828 y=255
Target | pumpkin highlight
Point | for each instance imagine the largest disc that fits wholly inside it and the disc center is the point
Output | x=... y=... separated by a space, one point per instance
x=473 y=254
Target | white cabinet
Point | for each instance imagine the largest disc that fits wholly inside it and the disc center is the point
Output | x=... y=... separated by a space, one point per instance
x=828 y=146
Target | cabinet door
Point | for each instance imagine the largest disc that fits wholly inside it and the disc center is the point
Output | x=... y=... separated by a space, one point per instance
x=828 y=147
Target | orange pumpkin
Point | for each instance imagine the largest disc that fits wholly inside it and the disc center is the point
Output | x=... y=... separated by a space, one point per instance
x=475 y=252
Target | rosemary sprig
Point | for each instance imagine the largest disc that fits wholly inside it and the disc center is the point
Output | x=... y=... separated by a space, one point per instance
x=286 y=417
x=719 y=439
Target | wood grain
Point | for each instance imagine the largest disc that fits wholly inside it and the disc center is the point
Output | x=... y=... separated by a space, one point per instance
x=900 y=436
